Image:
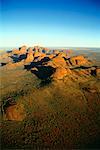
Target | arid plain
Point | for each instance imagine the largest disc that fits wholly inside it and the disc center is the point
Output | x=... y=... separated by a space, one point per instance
x=50 y=99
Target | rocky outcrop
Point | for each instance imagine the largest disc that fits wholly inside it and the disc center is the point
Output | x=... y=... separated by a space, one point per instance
x=98 y=72
x=23 y=50
x=36 y=48
x=29 y=58
x=76 y=66
x=20 y=51
x=82 y=72
x=37 y=54
x=30 y=49
x=11 y=65
x=57 y=61
x=55 y=52
x=41 y=56
x=5 y=55
x=5 y=59
x=51 y=56
x=62 y=54
x=60 y=73
x=78 y=60
x=15 y=112
x=15 y=52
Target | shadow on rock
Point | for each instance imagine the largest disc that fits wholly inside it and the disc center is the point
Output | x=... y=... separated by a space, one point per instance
x=3 y=64
x=43 y=60
x=17 y=58
x=9 y=51
x=43 y=72
x=45 y=82
x=83 y=67
x=31 y=65
x=36 y=64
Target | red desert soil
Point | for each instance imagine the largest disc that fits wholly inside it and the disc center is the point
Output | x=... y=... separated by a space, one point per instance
x=49 y=101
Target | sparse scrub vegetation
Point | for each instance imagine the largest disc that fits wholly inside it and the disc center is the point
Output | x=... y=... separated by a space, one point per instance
x=49 y=112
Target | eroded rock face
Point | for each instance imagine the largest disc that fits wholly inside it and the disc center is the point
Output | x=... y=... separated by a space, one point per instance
x=23 y=50
x=82 y=72
x=37 y=54
x=4 y=61
x=60 y=73
x=20 y=51
x=62 y=54
x=55 y=52
x=5 y=55
x=36 y=48
x=59 y=61
x=98 y=72
x=42 y=56
x=30 y=57
x=51 y=56
x=15 y=51
x=30 y=50
x=77 y=66
x=15 y=112
x=78 y=60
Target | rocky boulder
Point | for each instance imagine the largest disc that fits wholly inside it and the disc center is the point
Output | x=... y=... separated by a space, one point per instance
x=5 y=59
x=36 y=48
x=23 y=50
x=15 y=51
x=30 y=50
x=30 y=57
x=78 y=60
x=55 y=52
x=45 y=50
x=62 y=54
x=59 y=61
x=60 y=73
x=5 y=55
x=11 y=65
x=83 y=72
x=41 y=57
x=15 y=112
x=37 y=54
x=98 y=71
x=51 y=56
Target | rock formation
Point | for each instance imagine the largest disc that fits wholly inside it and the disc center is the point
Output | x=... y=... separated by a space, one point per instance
x=60 y=73
x=51 y=56
x=78 y=60
x=76 y=66
x=15 y=112
x=30 y=50
x=37 y=54
x=55 y=52
x=41 y=56
x=15 y=51
x=23 y=50
x=62 y=54
x=98 y=72
x=57 y=61
x=29 y=58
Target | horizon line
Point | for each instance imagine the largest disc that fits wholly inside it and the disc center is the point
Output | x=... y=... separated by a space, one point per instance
x=50 y=46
